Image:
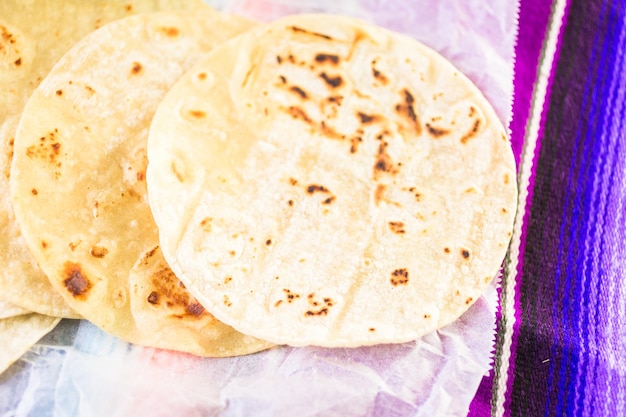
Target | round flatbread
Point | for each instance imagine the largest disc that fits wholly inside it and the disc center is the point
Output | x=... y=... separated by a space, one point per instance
x=320 y=180
x=78 y=173
x=28 y=50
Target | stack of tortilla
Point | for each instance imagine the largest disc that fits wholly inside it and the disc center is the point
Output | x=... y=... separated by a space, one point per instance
x=194 y=181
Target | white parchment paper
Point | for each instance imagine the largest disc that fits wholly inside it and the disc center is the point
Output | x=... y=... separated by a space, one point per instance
x=78 y=370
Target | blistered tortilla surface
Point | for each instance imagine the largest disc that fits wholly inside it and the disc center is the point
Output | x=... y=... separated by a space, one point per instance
x=78 y=174
x=323 y=181
x=33 y=37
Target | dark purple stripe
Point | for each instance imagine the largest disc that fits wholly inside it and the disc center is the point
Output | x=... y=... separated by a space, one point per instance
x=538 y=293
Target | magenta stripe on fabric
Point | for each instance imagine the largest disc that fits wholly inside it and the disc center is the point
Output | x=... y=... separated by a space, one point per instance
x=534 y=16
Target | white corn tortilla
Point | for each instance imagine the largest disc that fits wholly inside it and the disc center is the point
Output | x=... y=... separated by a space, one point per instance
x=78 y=177
x=323 y=181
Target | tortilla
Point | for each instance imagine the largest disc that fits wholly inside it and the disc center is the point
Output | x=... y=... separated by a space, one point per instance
x=11 y=310
x=28 y=50
x=323 y=181
x=78 y=172
x=20 y=333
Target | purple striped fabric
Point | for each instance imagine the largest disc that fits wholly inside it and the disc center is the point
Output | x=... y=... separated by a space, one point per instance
x=561 y=341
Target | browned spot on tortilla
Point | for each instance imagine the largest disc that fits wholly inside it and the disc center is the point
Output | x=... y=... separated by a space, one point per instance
x=34 y=191
x=140 y=175
x=206 y=224
x=290 y=202
x=314 y=188
x=472 y=132
x=268 y=242
x=426 y=316
x=227 y=301
x=291 y=296
x=372 y=329
x=293 y=181
x=172 y=292
x=277 y=303
x=399 y=277
x=7 y=37
x=335 y=99
x=465 y=253
x=279 y=59
x=298 y=113
x=169 y=31
x=504 y=210
x=329 y=200
x=47 y=148
x=470 y=190
x=384 y=163
x=472 y=111
x=368 y=118
x=59 y=92
x=329 y=132
x=18 y=62
x=446 y=250
x=406 y=109
x=73 y=245
x=44 y=244
x=153 y=298
x=98 y=251
x=299 y=91
x=148 y=255
x=379 y=75
x=332 y=81
x=506 y=178
x=136 y=69
x=436 y=132
x=198 y=114
x=297 y=29
x=89 y=89
x=379 y=193
x=354 y=143
x=227 y=279
x=75 y=281
x=320 y=312
x=323 y=58
x=469 y=300
x=195 y=309
x=397 y=227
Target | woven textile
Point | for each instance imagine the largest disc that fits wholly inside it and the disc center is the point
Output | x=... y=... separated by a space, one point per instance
x=561 y=337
